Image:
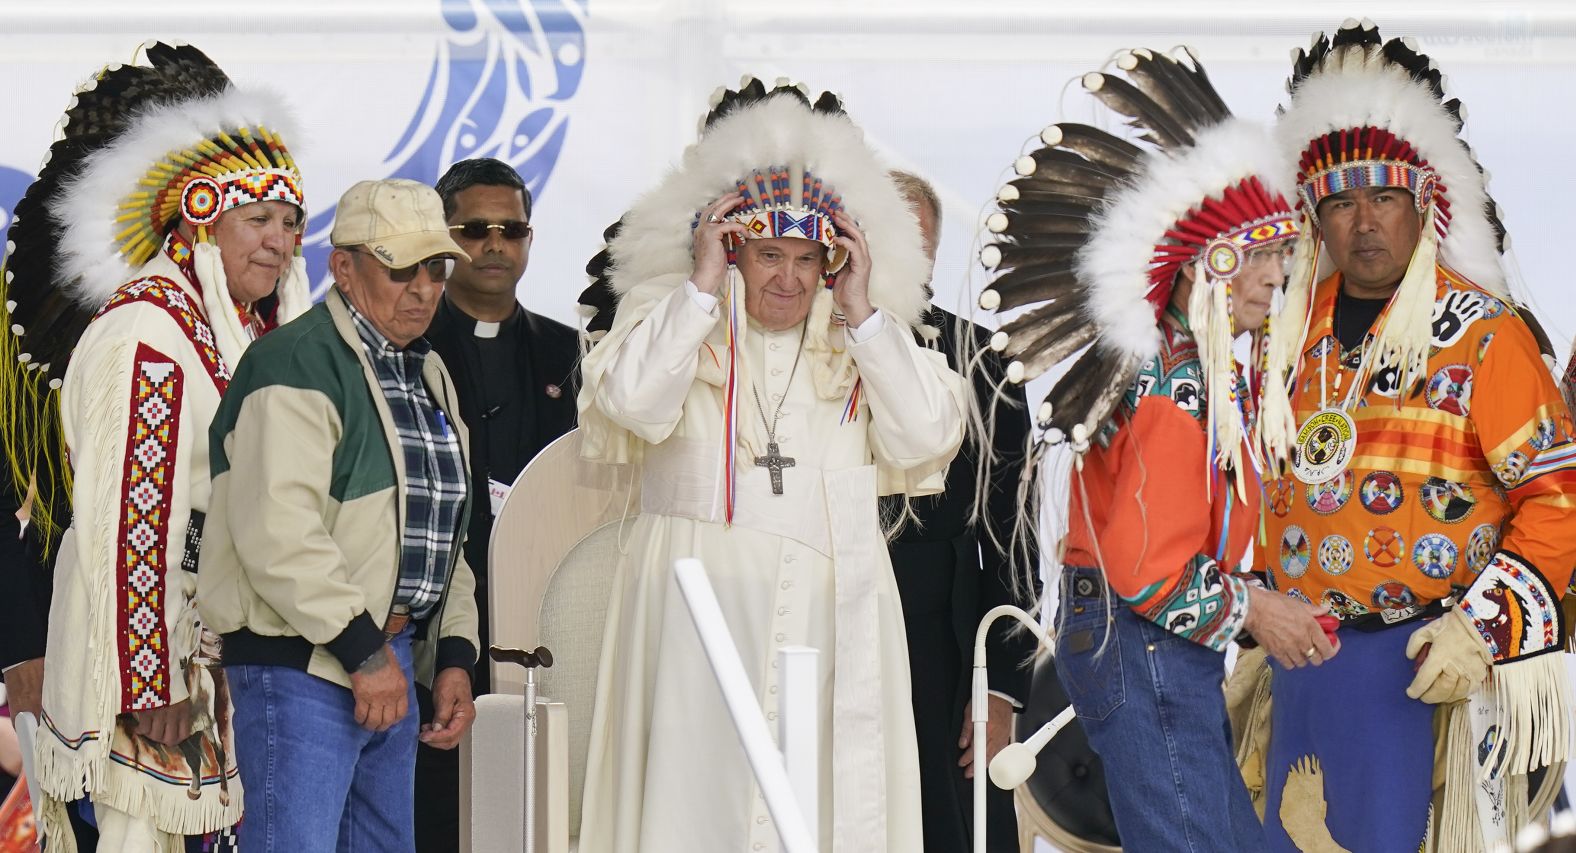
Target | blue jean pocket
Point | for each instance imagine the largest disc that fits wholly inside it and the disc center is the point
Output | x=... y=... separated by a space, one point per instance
x=1089 y=658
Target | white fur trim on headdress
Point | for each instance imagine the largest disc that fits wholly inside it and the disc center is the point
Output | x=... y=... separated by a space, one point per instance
x=1363 y=89
x=656 y=237
x=229 y=335
x=1116 y=261
x=89 y=259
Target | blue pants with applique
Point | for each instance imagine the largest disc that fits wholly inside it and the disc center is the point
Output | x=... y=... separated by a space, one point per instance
x=1373 y=745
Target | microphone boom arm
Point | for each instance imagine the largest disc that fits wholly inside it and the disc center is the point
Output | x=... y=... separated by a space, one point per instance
x=981 y=705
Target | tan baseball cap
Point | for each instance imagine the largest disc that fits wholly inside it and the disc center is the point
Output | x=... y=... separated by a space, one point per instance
x=399 y=221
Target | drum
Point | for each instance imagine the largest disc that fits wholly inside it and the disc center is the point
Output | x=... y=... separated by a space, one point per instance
x=1065 y=801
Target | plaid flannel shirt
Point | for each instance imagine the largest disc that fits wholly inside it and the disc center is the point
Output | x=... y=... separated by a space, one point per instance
x=435 y=480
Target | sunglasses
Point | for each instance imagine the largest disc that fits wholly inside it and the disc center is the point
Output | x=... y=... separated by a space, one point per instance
x=512 y=230
x=438 y=269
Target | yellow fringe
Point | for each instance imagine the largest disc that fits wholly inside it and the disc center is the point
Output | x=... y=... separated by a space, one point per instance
x=28 y=404
x=1210 y=320
x=1288 y=332
x=1403 y=340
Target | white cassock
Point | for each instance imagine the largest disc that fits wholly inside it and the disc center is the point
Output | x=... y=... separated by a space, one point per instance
x=666 y=771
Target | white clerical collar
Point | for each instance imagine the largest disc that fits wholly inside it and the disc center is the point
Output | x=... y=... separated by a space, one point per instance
x=485 y=329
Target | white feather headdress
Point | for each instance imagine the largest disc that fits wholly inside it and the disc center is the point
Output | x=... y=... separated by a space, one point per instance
x=96 y=255
x=141 y=146
x=654 y=238
x=1369 y=112
x=1095 y=228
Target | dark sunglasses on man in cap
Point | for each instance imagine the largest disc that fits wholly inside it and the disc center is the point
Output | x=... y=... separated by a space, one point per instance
x=438 y=269
x=514 y=229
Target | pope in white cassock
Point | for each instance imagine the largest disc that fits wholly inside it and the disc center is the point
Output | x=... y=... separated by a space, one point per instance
x=763 y=373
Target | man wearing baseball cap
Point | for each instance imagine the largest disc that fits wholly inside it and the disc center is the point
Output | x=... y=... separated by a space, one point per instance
x=333 y=562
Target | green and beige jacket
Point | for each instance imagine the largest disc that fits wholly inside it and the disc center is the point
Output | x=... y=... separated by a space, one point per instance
x=300 y=558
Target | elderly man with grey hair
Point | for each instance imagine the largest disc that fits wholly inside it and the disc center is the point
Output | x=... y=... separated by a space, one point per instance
x=950 y=571
x=333 y=565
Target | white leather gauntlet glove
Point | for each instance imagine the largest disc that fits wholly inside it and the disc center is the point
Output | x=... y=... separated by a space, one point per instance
x=1457 y=663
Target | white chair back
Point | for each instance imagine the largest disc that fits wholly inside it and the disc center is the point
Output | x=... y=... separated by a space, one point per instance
x=555 y=546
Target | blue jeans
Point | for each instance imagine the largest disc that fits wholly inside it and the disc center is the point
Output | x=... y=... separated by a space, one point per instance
x=1152 y=706
x=314 y=779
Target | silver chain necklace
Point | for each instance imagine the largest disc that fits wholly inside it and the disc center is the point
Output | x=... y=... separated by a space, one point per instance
x=774 y=461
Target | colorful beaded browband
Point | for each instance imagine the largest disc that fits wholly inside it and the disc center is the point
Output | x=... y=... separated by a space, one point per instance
x=204 y=199
x=1225 y=255
x=203 y=181
x=1220 y=229
x=1420 y=181
x=1367 y=157
x=781 y=201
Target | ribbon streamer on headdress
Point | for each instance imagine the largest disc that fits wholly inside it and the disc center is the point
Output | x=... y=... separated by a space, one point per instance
x=730 y=413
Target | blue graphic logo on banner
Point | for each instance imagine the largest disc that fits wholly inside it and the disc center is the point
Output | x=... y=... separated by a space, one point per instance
x=13 y=184
x=497 y=88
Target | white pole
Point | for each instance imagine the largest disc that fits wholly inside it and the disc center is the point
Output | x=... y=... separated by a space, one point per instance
x=530 y=759
x=742 y=706
x=799 y=727
x=26 y=737
x=981 y=705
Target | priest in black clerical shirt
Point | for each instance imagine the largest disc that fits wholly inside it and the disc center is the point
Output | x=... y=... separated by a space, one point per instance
x=951 y=569
x=516 y=373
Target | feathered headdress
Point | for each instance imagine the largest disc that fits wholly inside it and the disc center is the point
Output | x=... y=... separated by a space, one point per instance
x=783 y=200
x=796 y=162
x=794 y=158
x=1365 y=112
x=1095 y=228
x=599 y=301
x=141 y=147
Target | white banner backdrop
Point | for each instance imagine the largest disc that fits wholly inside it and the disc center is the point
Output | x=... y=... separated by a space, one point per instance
x=592 y=99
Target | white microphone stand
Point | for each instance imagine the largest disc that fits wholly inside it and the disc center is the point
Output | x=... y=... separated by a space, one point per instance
x=798 y=836
x=1015 y=763
x=981 y=705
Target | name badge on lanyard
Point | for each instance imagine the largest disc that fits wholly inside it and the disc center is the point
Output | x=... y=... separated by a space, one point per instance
x=497 y=493
x=1325 y=445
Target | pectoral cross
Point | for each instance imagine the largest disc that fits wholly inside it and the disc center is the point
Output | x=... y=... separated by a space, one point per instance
x=774 y=462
